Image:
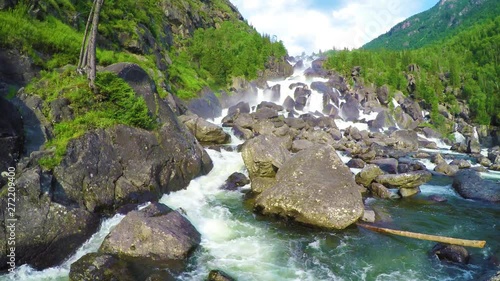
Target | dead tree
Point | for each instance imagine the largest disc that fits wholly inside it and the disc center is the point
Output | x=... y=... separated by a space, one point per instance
x=87 y=60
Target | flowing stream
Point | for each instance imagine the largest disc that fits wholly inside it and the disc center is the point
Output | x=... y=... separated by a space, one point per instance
x=252 y=247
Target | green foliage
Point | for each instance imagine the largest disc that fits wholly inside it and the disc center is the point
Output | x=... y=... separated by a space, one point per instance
x=116 y=103
x=464 y=67
x=213 y=56
x=440 y=22
x=19 y=30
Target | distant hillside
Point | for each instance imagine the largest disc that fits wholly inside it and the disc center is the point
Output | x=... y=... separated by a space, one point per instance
x=446 y=18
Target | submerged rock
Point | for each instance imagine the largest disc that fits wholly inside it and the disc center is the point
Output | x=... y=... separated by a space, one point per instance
x=451 y=253
x=235 y=180
x=314 y=187
x=156 y=235
x=470 y=185
x=219 y=275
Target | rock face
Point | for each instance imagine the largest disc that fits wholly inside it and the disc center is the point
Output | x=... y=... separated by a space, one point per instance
x=16 y=69
x=263 y=157
x=11 y=136
x=95 y=266
x=314 y=187
x=156 y=235
x=470 y=185
x=451 y=253
x=46 y=232
x=204 y=131
x=108 y=168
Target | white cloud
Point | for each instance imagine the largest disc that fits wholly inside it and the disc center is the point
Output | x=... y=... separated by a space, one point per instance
x=306 y=26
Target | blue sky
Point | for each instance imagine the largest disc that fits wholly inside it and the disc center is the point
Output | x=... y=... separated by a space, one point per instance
x=313 y=25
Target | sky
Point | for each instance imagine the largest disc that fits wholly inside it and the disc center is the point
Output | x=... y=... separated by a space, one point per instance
x=313 y=25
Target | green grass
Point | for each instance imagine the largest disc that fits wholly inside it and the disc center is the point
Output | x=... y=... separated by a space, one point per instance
x=115 y=103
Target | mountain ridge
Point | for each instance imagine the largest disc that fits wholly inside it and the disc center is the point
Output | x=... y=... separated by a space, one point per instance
x=445 y=19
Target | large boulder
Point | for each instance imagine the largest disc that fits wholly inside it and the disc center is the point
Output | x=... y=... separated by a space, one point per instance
x=46 y=232
x=469 y=184
x=406 y=180
x=406 y=140
x=94 y=266
x=11 y=136
x=349 y=111
x=107 y=168
x=263 y=157
x=156 y=235
x=204 y=131
x=314 y=187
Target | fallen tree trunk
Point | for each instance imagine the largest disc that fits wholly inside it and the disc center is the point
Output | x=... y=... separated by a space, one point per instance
x=435 y=238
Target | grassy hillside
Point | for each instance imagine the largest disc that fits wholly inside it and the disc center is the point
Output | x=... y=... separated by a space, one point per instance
x=184 y=45
x=465 y=67
x=445 y=19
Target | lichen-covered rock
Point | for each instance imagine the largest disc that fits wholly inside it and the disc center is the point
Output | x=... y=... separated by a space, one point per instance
x=314 y=187
x=446 y=169
x=263 y=157
x=380 y=191
x=94 y=266
x=368 y=175
x=156 y=235
x=204 y=131
x=406 y=180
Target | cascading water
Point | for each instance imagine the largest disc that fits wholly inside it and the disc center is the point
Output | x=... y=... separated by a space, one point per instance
x=251 y=247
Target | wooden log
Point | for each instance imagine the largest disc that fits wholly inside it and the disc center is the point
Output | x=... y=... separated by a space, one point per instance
x=435 y=238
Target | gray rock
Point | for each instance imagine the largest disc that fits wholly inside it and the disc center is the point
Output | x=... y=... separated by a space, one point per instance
x=349 y=111
x=94 y=266
x=356 y=163
x=380 y=191
x=368 y=175
x=235 y=180
x=204 y=131
x=470 y=185
x=263 y=157
x=104 y=169
x=388 y=165
x=314 y=187
x=451 y=253
x=298 y=145
x=218 y=275
x=241 y=107
x=207 y=106
x=461 y=163
x=155 y=234
x=446 y=169
x=406 y=180
x=46 y=232
x=406 y=140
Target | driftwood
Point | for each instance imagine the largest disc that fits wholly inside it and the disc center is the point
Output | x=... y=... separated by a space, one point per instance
x=435 y=238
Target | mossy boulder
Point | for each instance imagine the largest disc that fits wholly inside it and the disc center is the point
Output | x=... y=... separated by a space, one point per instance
x=94 y=266
x=368 y=174
x=405 y=180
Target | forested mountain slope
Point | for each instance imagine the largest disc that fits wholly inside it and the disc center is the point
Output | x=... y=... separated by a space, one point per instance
x=453 y=77
x=446 y=18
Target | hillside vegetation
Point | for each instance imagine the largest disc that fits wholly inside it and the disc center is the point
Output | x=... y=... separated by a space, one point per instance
x=445 y=19
x=463 y=68
x=184 y=45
